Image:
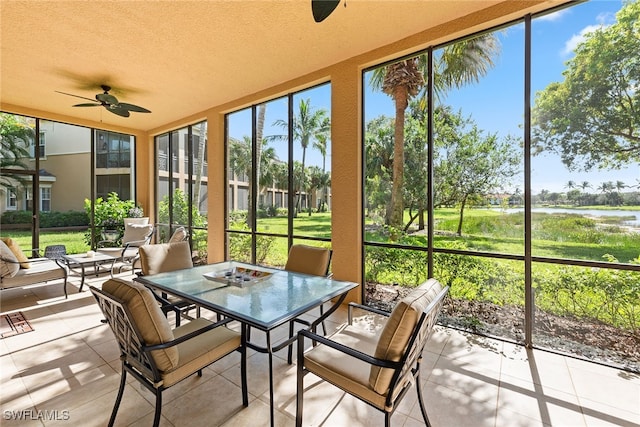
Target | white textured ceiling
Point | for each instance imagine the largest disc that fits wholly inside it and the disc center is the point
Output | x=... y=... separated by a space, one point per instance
x=178 y=58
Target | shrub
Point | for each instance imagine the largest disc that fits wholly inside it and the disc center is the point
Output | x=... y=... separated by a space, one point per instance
x=47 y=219
x=107 y=213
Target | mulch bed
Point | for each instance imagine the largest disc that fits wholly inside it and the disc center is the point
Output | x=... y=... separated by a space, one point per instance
x=584 y=338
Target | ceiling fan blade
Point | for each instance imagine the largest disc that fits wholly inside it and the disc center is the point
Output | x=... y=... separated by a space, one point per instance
x=321 y=9
x=134 y=108
x=77 y=96
x=115 y=109
x=86 y=104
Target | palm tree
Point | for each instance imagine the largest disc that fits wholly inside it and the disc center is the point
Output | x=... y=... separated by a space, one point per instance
x=240 y=163
x=16 y=135
x=320 y=143
x=570 y=184
x=459 y=64
x=307 y=125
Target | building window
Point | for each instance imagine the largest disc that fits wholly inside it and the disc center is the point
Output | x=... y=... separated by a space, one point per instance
x=12 y=200
x=45 y=199
x=113 y=150
x=28 y=199
x=118 y=183
x=41 y=146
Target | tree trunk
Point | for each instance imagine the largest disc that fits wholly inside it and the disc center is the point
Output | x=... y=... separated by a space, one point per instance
x=464 y=202
x=397 y=209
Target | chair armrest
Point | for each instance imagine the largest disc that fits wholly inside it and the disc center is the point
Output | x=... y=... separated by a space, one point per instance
x=30 y=260
x=383 y=363
x=101 y=244
x=135 y=243
x=190 y=335
x=353 y=305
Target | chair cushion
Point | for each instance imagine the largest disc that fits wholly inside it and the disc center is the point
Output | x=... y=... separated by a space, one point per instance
x=148 y=318
x=10 y=267
x=42 y=270
x=15 y=248
x=398 y=330
x=165 y=257
x=308 y=260
x=179 y=235
x=201 y=351
x=343 y=370
x=136 y=232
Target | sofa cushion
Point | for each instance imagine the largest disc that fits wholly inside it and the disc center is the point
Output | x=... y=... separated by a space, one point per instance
x=15 y=248
x=398 y=330
x=148 y=317
x=163 y=257
x=9 y=265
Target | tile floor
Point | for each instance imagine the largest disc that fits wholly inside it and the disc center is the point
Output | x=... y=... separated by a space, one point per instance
x=66 y=373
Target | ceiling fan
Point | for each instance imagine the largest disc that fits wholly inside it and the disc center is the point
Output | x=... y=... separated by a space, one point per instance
x=109 y=102
x=321 y=9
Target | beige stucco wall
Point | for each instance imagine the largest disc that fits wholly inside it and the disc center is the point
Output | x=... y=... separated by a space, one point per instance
x=73 y=180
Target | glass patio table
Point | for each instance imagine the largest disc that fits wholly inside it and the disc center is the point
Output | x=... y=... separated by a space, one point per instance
x=258 y=297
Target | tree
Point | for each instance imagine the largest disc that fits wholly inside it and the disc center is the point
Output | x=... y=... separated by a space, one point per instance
x=469 y=163
x=459 y=64
x=317 y=179
x=322 y=138
x=307 y=125
x=379 y=157
x=241 y=164
x=592 y=118
x=16 y=135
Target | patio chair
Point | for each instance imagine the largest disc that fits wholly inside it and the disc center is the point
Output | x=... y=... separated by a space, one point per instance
x=153 y=353
x=378 y=358
x=307 y=260
x=135 y=235
x=179 y=234
x=55 y=251
x=163 y=257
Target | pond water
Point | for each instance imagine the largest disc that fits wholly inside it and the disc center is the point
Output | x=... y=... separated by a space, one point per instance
x=586 y=212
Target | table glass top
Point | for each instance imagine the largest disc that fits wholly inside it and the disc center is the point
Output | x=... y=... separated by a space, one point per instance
x=267 y=301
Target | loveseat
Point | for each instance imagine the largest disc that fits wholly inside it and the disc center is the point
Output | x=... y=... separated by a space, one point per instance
x=31 y=271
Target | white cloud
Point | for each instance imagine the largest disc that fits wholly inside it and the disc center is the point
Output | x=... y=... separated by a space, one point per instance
x=603 y=20
x=576 y=39
x=555 y=16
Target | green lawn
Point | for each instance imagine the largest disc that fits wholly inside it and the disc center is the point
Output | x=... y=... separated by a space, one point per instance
x=73 y=240
x=554 y=235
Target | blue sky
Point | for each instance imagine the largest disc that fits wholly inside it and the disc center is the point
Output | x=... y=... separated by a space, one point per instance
x=496 y=103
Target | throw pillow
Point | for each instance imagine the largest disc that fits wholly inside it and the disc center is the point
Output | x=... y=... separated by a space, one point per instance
x=9 y=265
x=137 y=233
x=179 y=235
x=15 y=248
